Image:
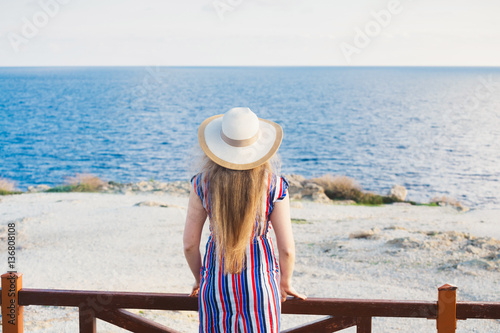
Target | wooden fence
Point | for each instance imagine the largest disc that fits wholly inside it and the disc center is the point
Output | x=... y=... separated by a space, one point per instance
x=341 y=313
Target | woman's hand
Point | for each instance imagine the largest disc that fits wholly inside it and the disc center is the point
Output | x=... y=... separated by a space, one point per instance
x=196 y=290
x=289 y=290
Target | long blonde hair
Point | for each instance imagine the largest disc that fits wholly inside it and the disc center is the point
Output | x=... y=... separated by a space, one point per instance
x=236 y=204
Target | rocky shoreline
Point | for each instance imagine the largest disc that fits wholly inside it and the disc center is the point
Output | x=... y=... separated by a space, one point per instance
x=300 y=189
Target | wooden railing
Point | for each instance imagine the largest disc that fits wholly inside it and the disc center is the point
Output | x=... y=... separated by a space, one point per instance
x=341 y=313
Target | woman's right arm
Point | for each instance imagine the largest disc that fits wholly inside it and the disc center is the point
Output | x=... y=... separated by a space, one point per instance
x=280 y=219
x=195 y=219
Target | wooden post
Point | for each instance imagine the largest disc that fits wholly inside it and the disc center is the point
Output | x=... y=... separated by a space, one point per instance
x=87 y=320
x=364 y=325
x=447 y=309
x=12 y=312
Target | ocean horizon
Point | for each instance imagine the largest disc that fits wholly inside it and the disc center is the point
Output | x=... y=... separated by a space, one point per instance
x=434 y=130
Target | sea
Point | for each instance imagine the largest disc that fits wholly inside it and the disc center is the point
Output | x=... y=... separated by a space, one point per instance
x=434 y=130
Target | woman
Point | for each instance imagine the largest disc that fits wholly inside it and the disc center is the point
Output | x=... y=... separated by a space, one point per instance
x=240 y=284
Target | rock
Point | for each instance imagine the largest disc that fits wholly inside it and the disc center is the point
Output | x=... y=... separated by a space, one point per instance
x=295 y=186
x=178 y=188
x=160 y=186
x=493 y=256
x=478 y=263
x=365 y=234
x=395 y=227
x=485 y=243
x=295 y=178
x=42 y=187
x=456 y=235
x=142 y=183
x=145 y=186
x=447 y=201
x=405 y=242
x=320 y=197
x=461 y=208
x=314 y=192
x=398 y=192
x=448 y=266
x=333 y=246
x=148 y=203
x=38 y=188
x=472 y=249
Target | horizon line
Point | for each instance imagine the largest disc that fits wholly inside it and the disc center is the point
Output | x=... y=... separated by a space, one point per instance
x=250 y=66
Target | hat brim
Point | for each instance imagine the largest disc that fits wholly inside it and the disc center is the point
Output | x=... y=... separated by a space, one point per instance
x=239 y=158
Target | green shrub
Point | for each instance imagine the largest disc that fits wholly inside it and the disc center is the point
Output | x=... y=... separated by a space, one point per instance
x=299 y=221
x=345 y=188
x=81 y=182
x=63 y=188
x=371 y=199
x=339 y=187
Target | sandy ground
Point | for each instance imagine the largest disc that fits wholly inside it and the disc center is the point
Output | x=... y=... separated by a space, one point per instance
x=101 y=241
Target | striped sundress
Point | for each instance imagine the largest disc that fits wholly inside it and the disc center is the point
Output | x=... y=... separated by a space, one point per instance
x=249 y=301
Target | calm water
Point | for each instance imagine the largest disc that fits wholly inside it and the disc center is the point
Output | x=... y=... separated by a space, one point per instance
x=434 y=130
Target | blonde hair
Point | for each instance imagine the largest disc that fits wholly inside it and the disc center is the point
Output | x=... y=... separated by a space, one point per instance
x=236 y=205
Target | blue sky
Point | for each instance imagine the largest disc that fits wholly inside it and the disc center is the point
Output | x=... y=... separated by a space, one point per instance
x=250 y=33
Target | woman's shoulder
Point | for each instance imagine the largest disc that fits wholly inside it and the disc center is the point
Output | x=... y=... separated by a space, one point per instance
x=200 y=176
x=285 y=180
x=199 y=184
x=195 y=177
x=277 y=178
x=279 y=187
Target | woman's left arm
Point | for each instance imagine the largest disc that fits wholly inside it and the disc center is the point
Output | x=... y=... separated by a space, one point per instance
x=195 y=219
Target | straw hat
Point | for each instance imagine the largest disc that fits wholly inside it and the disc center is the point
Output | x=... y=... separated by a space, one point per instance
x=239 y=140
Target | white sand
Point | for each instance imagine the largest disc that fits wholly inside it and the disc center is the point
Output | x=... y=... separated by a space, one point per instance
x=103 y=242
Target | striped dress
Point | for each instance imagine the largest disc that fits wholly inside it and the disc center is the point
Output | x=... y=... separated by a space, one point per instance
x=249 y=301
